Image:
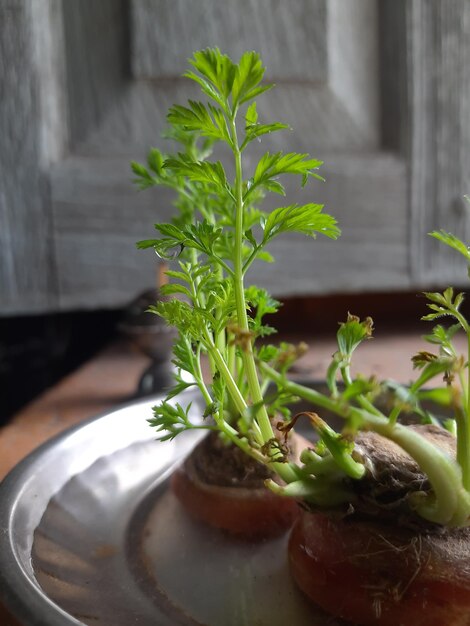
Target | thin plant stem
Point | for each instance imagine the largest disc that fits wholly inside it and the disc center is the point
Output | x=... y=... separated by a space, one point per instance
x=247 y=353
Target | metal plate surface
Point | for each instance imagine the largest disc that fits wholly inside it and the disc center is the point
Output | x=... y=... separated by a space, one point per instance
x=91 y=534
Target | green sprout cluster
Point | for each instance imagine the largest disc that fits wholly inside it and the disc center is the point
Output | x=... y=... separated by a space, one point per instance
x=219 y=230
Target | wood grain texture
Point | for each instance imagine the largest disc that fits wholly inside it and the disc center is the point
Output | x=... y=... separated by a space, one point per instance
x=97 y=60
x=99 y=215
x=67 y=228
x=319 y=120
x=290 y=36
x=394 y=83
x=27 y=271
x=367 y=194
x=329 y=46
x=439 y=140
x=353 y=61
x=48 y=62
x=367 y=191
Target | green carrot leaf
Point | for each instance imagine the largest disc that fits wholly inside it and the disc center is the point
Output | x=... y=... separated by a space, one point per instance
x=452 y=241
x=172 y=419
x=307 y=219
x=216 y=68
x=155 y=161
x=272 y=165
x=254 y=131
x=202 y=171
x=247 y=76
x=251 y=115
x=209 y=121
x=143 y=179
x=352 y=332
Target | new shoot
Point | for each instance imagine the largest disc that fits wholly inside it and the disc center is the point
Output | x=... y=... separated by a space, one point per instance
x=219 y=231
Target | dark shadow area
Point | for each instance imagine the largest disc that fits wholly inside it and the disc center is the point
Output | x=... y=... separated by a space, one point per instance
x=397 y=311
x=37 y=351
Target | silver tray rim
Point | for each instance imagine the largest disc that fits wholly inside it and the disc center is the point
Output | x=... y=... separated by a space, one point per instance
x=25 y=493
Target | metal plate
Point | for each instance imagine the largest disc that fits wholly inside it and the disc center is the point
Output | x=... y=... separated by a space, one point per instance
x=91 y=534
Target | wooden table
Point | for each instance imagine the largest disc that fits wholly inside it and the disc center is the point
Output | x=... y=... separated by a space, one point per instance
x=111 y=377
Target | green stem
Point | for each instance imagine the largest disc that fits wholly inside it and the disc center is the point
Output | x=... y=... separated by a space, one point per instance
x=466 y=388
x=463 y=413
x=231 y=364
x=311 y=395
x=266 y=431
x=285 y=471
x=199 y=378
x=394 y=415
x=463 y=444
x=233 y=390
x=450 y=502
x=220 y=339
x=368 y=406
x=319 y=465
x=346 y=374
x=364 y=402
x=235 y=438
x=199 y=300
x=466 y=384
x=222 y=263
x=251 y=258
x=465 y=452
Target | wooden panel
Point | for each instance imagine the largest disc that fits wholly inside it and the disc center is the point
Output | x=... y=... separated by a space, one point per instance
x=320 y=121
x=439 y=69
x=27 y=271
x=49 y=65
x=99 y=218
x=99 y=215
x=353 y=61
x=325 y=121
x=291 y=36
x=327 y=46
x=326 y=57
x=393 y=75
x=368 y=196
x=97 y=58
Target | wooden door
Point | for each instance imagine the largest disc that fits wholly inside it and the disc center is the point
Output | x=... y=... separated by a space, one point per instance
x=379 y=90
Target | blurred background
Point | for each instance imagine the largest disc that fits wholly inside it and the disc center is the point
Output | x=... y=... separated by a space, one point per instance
x=377 y=89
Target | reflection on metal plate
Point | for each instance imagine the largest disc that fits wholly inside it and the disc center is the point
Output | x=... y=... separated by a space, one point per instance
x=92 y=535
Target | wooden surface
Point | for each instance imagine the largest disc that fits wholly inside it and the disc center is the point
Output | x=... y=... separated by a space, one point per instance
x=99 y=217
x=96 y=52
x=27 y=270
x=166 y=34
x=379 y=90
x=439 y=96
x=111 y=378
